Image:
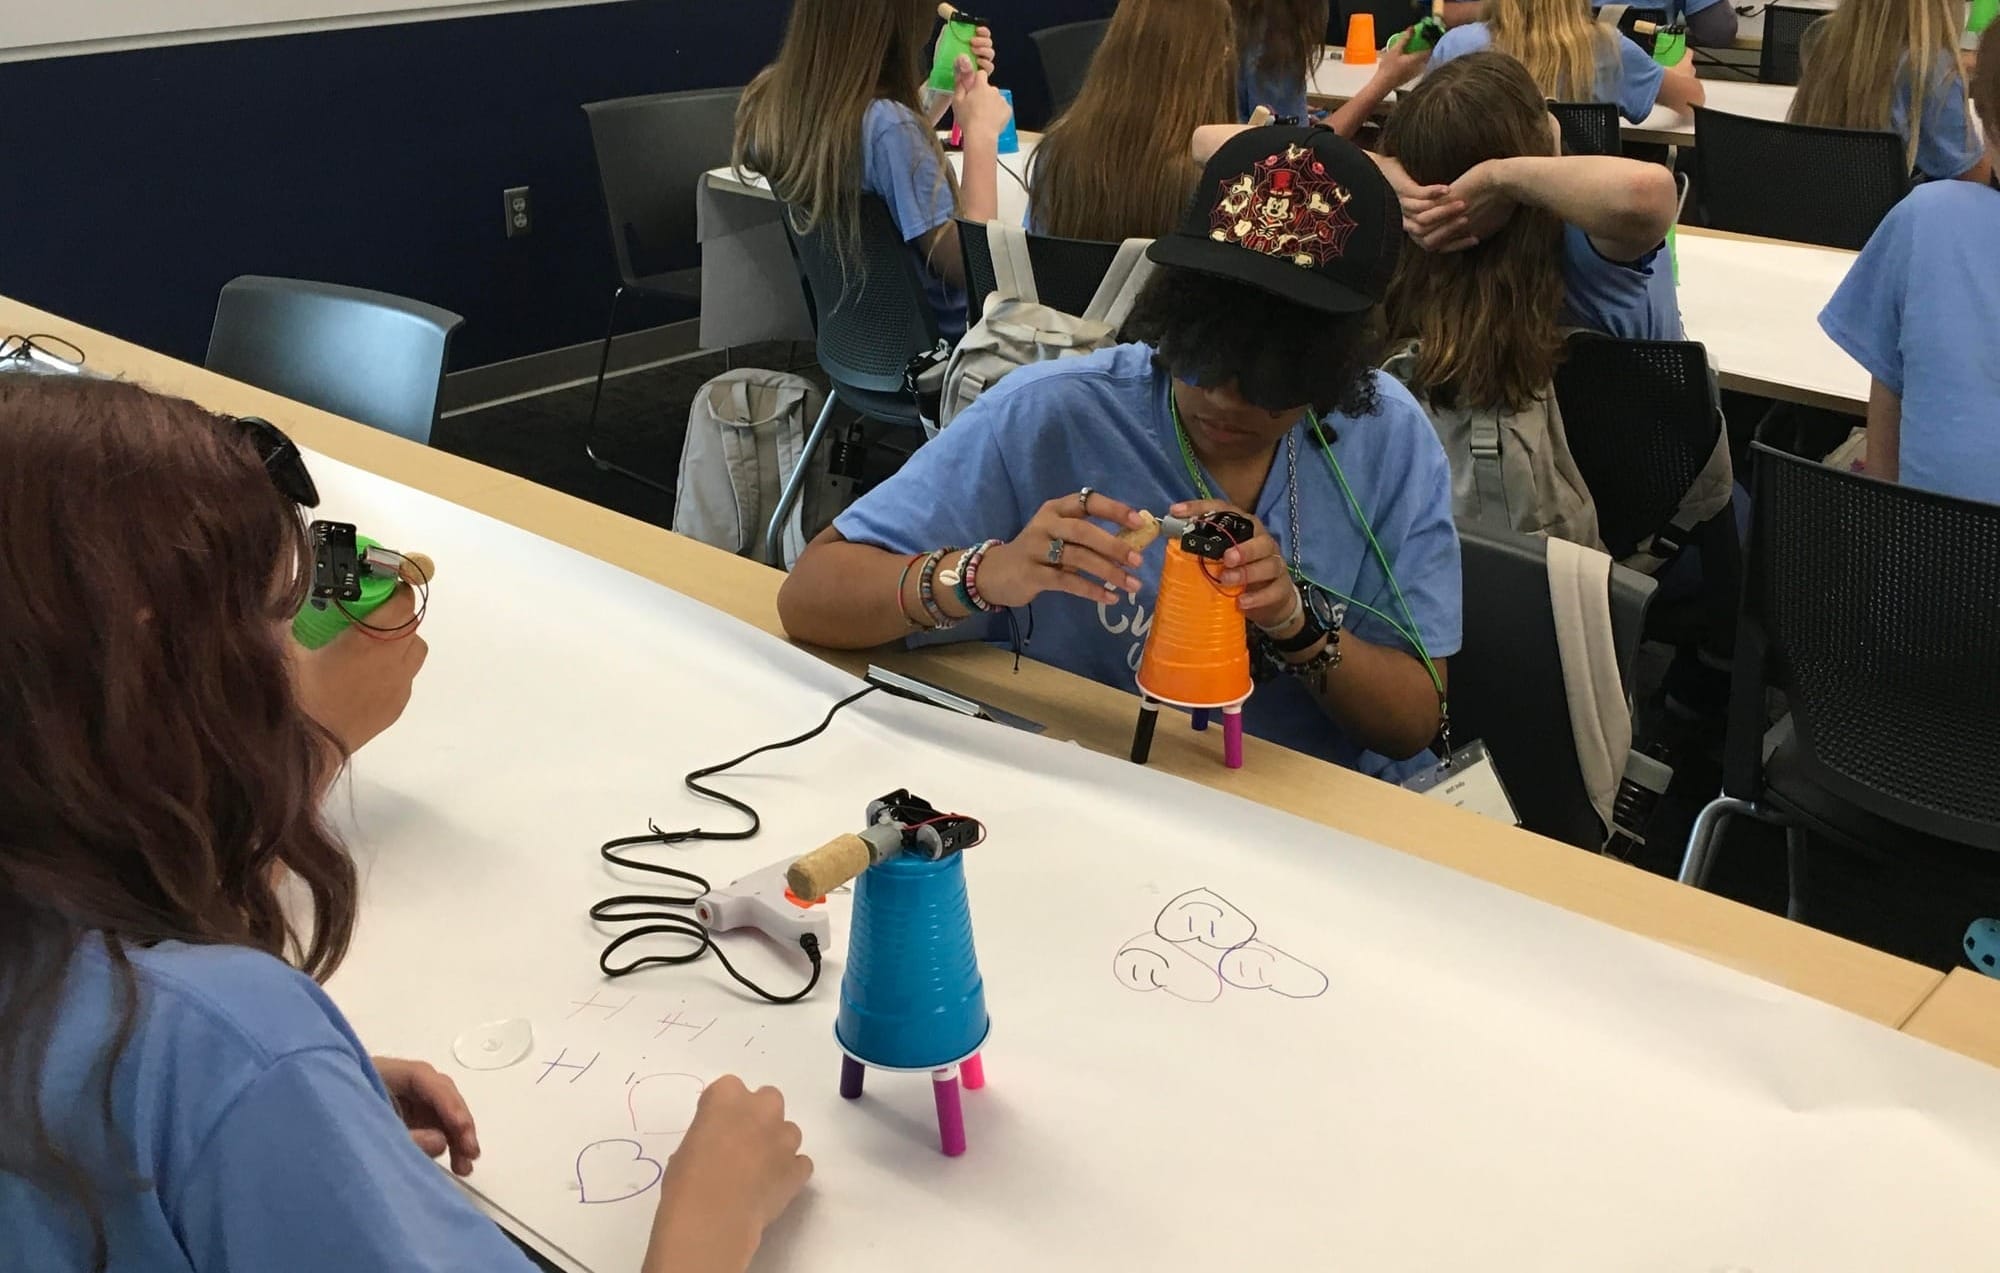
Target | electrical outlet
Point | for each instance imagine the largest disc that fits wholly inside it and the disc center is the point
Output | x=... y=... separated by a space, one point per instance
x=520 y=211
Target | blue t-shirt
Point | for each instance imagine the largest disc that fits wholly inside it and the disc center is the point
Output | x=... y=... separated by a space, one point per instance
x=900 y=164
x=256 y=1124
x=1103 y=420
x=1284 y=92
x=1919 y=310
x=1946 y=145
x=1688 y=9
x=1625 y=75
x=1632 y=300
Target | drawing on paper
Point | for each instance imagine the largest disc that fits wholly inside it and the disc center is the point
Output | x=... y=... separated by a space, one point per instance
x=614 y=1170
x=1200 y=945
x=664 y=1104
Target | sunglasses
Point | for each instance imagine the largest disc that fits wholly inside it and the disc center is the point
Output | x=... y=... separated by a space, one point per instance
x=282 y=461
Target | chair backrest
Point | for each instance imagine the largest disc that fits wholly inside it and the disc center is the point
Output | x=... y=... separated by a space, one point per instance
x=1507 y=685
x=1067 y=271
x=1873 y=606
x=1784 y=32
x=1588 y=128
x=1830 y=186
x=369 y=356
x=1642 y=422
x=871 y=316
x=651 y=152
x=1066 y=52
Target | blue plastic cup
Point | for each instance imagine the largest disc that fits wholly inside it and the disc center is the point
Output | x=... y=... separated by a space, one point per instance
x=1010 y=138
x=912 y=997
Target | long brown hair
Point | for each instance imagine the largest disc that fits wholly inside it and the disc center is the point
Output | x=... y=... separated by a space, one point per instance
x=1485 y=318
x=800 y=122
x=1117 y=164
x=1557 y=40
x=1289 y=35
x=1850 y=59
x=156 y=769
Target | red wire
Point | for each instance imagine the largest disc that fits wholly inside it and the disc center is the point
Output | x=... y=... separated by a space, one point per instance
x=400 y=631
x=1215 y=583
x=951 y=817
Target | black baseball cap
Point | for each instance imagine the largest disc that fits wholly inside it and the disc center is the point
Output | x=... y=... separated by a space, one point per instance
x=1301 y=213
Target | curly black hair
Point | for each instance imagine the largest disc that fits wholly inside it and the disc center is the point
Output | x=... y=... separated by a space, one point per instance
x=1211 y=331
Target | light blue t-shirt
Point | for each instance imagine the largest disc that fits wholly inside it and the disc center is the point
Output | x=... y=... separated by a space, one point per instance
x=1632 y=300
x=1625 y=75
x=1688 y=9
x=257 y=1125
x=1103 y=421
x=1947 y=145
x=1284 y=92
x=900 y=164
x=1918 y=310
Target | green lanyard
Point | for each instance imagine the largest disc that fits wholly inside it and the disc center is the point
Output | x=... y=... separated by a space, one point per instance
x=1409 y=633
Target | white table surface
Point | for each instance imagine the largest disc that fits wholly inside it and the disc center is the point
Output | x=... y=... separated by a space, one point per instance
x=1755 y=303
x=1337 y=81
x=1464 y=1071
x=1013 y=170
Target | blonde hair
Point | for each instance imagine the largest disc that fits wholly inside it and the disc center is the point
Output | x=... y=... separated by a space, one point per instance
x=1485 y=320
x=1850 y=60
x=800 y=121
x=1557 y=40
x=1117 y=164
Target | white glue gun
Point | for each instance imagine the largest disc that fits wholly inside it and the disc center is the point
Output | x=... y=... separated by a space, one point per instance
x=761 y=901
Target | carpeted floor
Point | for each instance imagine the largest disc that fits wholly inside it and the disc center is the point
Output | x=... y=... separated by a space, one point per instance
x=1919 y=914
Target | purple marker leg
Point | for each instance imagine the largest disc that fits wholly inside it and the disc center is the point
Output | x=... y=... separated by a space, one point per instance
x=973 y=1073
x=1200 y=720
x=851 y=1074
x=951 y=1118
x=1232 y=737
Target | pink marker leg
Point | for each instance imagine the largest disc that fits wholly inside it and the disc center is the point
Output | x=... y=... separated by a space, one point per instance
x=1232 y=737
x=852 y=1072
x=951 y=1117
x=973 y=1074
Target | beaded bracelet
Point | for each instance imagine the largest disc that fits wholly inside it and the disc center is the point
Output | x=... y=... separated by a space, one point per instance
x=968 y=583
x=900 y=581
x=926 y=583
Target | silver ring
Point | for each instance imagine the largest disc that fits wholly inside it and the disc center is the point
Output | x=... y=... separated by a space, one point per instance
x=1083 y=499
x=1055 y=553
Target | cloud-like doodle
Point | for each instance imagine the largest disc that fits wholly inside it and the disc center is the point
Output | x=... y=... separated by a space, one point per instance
x=1201 y=944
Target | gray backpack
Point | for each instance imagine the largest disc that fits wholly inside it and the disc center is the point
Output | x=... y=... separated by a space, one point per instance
x=1016 y=329
x=746 y=432
x=1509 y=471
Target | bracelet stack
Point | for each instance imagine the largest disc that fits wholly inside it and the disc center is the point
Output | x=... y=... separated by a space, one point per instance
x=968 y=578
x=927 y=590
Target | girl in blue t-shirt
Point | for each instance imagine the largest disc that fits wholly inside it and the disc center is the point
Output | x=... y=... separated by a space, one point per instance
x=1918 y=311
x=1892 y=66
x=176 y=1091
x=1278 y=44
x=1574 y=59
x=841 y=114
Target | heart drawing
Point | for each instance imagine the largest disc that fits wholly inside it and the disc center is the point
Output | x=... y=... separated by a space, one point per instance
x=663 y=1104
x=614 y=1170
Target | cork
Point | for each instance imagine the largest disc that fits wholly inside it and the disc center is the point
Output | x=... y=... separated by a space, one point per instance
x=829 y=866
x=1138 y=537
x=422 y=566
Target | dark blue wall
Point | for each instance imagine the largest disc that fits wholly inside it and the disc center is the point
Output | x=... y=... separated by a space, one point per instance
x=133 y=185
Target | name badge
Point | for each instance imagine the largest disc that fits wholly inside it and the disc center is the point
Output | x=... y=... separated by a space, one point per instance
x=1469 y=780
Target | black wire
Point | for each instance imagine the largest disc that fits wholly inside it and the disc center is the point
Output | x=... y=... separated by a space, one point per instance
x=625 y=907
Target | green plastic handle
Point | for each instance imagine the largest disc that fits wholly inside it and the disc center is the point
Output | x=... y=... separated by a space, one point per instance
x=954 y=41
x=1424 y=35
x=1670 y=47
x=1980 y=15
x=314 y=627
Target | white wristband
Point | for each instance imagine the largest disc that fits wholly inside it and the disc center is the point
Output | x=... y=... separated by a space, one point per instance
x=1296 y=612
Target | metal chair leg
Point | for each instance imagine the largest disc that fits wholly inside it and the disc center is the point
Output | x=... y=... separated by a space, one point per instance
x=1795 y=873
x=774 y=539
x=597 y=395
x=1702 y=839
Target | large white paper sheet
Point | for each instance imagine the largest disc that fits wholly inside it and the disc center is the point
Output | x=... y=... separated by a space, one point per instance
x=1412 y=1070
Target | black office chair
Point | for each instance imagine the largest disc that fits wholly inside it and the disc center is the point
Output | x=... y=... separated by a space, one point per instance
x=1066 y=52
x=1784 y=33
x=370 y=356
x=651 y=153
x=1830 y=186
x=871 y=320
x=1871 y=606
x=1067 y=271
x=1507 y=685
x=1588 y=128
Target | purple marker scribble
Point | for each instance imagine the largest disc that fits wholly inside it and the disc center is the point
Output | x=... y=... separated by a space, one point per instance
x=672 y=1021
x=550 y=1067
x=1201 y=943
x=609 y=1010
x=604 y=1174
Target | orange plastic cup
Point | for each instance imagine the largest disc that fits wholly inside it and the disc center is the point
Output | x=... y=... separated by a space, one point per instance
x=1360 y=50
x=1196 y=654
